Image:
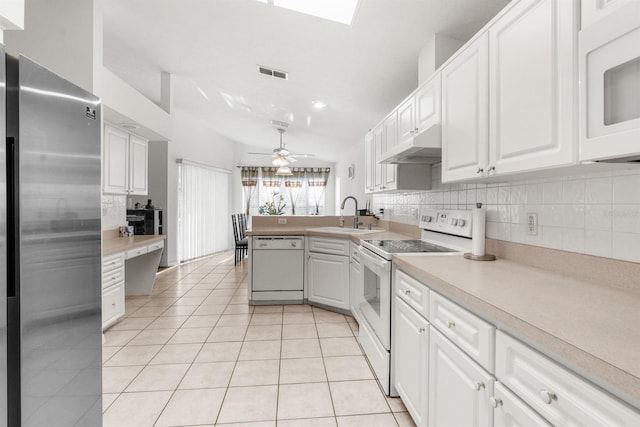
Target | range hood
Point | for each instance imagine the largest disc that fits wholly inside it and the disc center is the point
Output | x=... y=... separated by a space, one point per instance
x=424 y=148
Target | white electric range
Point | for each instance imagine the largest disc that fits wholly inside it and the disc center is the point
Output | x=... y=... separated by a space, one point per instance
x=444 y=233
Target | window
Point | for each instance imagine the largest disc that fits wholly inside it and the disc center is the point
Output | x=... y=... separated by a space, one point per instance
x=302 y=193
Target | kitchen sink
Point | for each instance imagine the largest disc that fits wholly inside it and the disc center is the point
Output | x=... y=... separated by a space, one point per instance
x=346 y=230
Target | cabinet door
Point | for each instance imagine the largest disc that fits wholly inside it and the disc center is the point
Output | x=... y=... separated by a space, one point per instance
x=510 y=411
x=406 y=120
x=138 y=154
x=593 y=11
x=465 y=113
x=428 y=104
x=533 y=80
x=112 y=304
x=390 y=136
x=459 y=389
x=369 y=171
x=329 y=280
x=378 y=143
x=410 y=359
x=116 y=159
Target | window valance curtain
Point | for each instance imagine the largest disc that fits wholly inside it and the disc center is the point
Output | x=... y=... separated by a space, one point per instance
x=269 y=177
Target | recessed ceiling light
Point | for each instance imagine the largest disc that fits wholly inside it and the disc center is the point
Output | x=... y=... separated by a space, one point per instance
x=341 y=11
x=318 y=104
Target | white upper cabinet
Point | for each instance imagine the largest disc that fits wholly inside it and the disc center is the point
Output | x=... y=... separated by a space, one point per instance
x=465 y=113
x=509 y=97
x=124 y=162
x=593 y=11
x=427 y=104
x=378 y=144
x=138 y=165
x=116 y=161
x=406 y=120
x=533 y=87
x=390 y=136
x=369 y=170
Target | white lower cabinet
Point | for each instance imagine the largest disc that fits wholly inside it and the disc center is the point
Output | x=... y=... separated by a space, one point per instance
x=410 y=349
x=328 y=279
x=557 y=394
x=356 y=282
x=459 y=389
x=509 y=410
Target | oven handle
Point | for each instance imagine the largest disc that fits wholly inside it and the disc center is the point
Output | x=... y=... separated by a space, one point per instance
x=375 y=260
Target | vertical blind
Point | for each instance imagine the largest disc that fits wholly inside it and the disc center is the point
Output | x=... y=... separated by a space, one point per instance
x=203 y=210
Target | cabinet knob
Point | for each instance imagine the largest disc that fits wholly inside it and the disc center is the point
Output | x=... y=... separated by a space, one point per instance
x=113 y=304
x=407 y=292
x=548 y=396
x=479 y=171
x=421 y=330
x=491 y=169
x=113 y=277
x=495 y=401
x=451 y=325
x=416 y=130
x=478 y=385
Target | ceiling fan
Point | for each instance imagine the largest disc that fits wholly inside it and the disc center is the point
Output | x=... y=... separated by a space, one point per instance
x=281 y=156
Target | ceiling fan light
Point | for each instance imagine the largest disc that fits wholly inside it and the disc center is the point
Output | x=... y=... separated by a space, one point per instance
x=280 y=161
x=283 y=171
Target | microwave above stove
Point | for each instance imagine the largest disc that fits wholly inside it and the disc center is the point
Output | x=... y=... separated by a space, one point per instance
x=609 y=76
x=145 y=221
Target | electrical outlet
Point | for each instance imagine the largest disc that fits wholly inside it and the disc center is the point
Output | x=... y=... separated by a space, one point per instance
x=532 y=224
x=282 y=220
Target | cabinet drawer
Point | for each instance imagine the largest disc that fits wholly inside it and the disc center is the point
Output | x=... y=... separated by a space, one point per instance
x=113 y=277
x=155 y=246
x=412 y=292
x=329 y=246
x=472 y=334
x=561 y=396
x=112 y=262
x=510 y=410
x=112 y=305
x=132 y=253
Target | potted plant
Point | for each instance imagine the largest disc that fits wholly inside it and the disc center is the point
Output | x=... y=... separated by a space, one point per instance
x=270 y=208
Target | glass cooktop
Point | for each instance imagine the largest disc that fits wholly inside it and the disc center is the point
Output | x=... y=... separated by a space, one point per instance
x=407 y=246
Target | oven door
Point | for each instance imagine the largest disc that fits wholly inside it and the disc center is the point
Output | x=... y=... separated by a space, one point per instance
x=609 y=56
x=376 y=303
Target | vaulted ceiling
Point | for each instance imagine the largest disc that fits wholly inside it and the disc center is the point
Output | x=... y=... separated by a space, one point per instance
x=212 y=49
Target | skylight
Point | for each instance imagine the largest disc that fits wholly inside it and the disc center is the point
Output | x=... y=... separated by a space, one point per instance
x=341 y=11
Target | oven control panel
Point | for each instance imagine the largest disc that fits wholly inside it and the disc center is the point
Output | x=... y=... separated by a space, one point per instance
x=450 y=221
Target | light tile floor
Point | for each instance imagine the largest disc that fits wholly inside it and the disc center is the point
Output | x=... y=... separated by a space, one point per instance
x=195 y=353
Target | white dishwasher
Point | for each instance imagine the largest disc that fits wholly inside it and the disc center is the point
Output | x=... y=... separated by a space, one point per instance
x=277 y=269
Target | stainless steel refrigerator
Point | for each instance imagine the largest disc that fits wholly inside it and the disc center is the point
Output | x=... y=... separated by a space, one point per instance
x=50 y=249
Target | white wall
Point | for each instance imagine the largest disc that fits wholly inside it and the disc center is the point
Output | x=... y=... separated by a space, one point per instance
x=355 y=187
x=434 y=54
x=192 y=140
x=58 y=34
x=11 y=15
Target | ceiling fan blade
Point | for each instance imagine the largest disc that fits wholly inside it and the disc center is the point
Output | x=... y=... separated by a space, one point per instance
x=262 y=154
x=302 y=155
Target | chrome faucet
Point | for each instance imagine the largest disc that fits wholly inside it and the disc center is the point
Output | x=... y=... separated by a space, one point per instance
x=356 y=220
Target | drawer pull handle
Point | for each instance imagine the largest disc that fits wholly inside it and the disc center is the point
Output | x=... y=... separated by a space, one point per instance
x=451 y=325
x=495 y=401
x=478 y=385
x=421 y=330
x=548 y=396
x=407 y=292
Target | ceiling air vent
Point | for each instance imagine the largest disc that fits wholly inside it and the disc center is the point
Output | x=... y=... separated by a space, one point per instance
x=273 y=73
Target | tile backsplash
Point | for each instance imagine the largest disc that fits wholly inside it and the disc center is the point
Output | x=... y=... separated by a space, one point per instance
x=597 y=213
x=114 y=211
